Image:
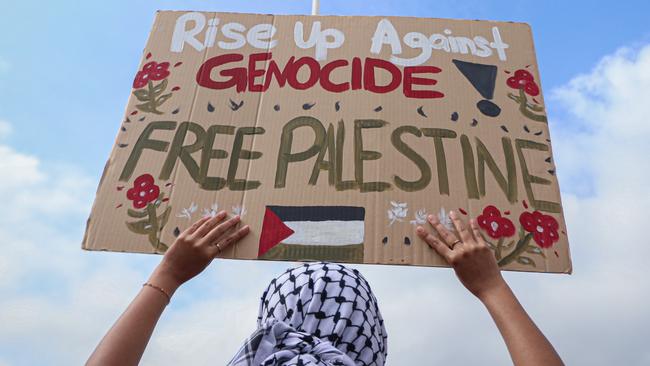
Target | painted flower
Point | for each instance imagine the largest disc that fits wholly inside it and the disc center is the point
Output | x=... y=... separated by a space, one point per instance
x=397 y=211
x=494 y=224
x=524 y=80
x=144 y=191
x=151 y=71
x=212 y=211
x=543 y=227
x=419 y=217
x=239 y=210
x=187 y=212
x=445 y=220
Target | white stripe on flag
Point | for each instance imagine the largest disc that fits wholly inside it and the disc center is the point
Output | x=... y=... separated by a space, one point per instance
x=325 y=232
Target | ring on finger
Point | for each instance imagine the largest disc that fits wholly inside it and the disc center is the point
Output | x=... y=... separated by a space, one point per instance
x=218 y=248
x=452 y=245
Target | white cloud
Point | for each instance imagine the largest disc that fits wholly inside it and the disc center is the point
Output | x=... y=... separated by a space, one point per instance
x=53 y=296
x=608 y=292
x=5 y=129
x=597 y=316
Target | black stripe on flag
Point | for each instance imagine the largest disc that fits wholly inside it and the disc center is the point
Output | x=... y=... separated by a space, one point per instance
x=319 y=213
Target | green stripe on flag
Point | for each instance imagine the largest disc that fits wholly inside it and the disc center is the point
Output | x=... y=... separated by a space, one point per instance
x=298 y=252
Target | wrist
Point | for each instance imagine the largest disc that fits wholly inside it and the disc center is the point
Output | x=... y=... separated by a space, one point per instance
x=164 y=278
x=494 y=293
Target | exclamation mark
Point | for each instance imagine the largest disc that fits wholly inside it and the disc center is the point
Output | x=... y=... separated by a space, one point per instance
x=483 y=78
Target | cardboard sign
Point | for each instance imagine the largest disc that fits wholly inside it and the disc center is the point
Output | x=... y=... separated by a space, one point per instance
x=334 y=137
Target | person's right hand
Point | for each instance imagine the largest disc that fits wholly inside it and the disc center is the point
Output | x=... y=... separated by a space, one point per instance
x=469 y=255
x=197 y=246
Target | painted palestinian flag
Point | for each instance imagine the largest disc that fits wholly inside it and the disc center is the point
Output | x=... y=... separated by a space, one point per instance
x=329 y=233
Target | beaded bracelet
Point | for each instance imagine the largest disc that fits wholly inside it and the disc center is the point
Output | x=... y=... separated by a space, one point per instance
x=162 y=290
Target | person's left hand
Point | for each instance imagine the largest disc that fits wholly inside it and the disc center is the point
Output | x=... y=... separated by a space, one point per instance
x=467 y=253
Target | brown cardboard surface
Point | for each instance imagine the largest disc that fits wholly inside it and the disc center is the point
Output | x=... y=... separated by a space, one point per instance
x=334 y=161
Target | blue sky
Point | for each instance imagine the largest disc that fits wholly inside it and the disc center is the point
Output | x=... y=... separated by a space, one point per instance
x=66 y=68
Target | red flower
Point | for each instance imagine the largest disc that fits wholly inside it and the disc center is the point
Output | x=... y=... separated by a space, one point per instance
x=151 y=71
x=143 y=191
x=543 y=227
x=496 y=226
x=524 y=80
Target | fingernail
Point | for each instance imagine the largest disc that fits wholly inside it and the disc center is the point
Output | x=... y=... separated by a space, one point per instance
x=419 y=229
x=221 y=213
x=452 y=214
x=236 y=218
x=430 y=217
x=246 y=228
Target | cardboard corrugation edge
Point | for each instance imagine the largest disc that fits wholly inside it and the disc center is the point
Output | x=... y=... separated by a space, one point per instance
x=84 y=241
x=189 y=118
x=569 y=269
x=348 y=16
x=254 y=139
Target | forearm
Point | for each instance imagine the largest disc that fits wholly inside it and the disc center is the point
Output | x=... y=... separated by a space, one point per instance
x=526 y=343
x=191 y=253
x=126 y=341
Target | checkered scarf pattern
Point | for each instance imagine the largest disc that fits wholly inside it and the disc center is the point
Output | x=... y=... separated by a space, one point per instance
x=317 y=314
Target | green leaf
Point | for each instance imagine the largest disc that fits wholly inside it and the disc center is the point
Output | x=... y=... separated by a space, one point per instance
x=522 y=232
x=533 y=249
x=136 y=214
x=148 y=107
x=139 y=227
x=162 y=219
x=158 y=89
x=158 y=201
x=145 y=107
x=526 y=261
x=155 y=242
x=520 y=248
x=162 y=247
x=163 y=99
x=141 y=94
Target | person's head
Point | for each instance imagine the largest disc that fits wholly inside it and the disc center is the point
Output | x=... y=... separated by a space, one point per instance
x=323 y=313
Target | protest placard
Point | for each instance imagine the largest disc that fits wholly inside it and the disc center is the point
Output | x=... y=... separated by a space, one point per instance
x=333 y=138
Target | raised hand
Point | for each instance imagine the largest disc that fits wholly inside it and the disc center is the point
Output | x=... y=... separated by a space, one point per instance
x=467 y=253
x=199 y=244
x=477 y=269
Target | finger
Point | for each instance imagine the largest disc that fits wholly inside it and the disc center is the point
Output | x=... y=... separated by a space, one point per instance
x=190 y=230
x=440 y=247
x=477 y=232
x=464 y=234
x=230 y=240
x=208 y=225
x=215 y=235
x=448 y=237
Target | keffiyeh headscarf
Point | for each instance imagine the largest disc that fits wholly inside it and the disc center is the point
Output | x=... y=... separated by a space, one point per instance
x=316 y=314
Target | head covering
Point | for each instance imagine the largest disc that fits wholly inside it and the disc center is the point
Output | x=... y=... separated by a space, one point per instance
x=317 y=314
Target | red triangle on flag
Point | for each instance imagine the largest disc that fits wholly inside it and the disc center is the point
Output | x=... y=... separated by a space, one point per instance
x=273 y=232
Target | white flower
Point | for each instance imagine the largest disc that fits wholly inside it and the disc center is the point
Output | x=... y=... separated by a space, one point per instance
x=187 y=212
x=420 y=217
x=397 y=211
x=239 y=210
x=444 y=219
x=212 y=211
